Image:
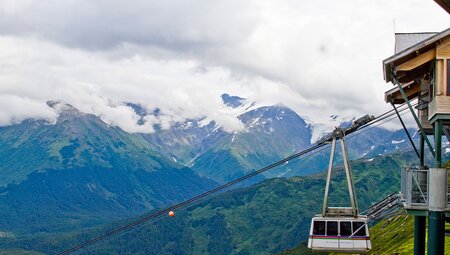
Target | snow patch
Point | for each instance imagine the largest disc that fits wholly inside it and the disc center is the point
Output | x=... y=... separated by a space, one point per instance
x=325 y=126
x=284 y=173
x=397 y=142
x=254 y=122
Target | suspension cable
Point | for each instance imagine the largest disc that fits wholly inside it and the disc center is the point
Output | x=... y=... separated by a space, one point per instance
x=185 y=203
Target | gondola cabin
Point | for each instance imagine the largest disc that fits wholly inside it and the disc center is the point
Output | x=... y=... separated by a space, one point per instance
x=346 y=234
x=340 y=229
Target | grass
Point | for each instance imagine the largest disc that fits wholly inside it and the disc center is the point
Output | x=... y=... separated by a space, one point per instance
x=390 y=236
x=396 y=236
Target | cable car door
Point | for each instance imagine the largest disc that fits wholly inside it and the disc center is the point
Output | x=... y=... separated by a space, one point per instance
x=345 y=231
x=332 y=240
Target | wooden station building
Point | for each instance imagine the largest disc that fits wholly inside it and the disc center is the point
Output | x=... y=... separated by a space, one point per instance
x=420 y=71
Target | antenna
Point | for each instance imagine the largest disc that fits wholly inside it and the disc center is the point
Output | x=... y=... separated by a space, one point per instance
x=395 y=39
x=393 y=22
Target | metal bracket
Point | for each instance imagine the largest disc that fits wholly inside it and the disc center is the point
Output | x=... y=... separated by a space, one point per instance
x=422 y=132
x=406 y=130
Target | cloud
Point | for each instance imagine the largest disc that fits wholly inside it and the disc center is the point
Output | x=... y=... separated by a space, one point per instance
x=23 y=108
x=317 y=57
x=180 y=25
x=102 y=86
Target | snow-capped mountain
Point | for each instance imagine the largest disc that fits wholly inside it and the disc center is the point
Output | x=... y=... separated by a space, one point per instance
x=270 y=133
x=80 y=169
x=80 y=166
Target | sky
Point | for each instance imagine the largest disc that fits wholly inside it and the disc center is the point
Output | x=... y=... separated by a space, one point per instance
x=320 y=58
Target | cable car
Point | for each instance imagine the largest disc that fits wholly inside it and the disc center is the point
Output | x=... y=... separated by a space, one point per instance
x=344 y=234
x=339 y=229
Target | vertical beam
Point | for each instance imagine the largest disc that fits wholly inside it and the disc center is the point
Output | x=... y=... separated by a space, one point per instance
x=438 y=143
x=437 y=194
x=348 y=174
x=436 y=232
x=330 y=168
x=422 y=152
x=420 y=222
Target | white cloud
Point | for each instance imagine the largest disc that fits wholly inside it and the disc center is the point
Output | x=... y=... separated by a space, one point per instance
x=23 y=108
x=317 y=57
x=101 y=86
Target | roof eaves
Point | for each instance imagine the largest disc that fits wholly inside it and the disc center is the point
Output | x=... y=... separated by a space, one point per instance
x=410 y=50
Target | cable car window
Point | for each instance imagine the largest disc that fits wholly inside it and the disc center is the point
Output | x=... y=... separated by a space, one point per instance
x=346 y=228
x=359 y=228
x=319 y=228
x=332 y=228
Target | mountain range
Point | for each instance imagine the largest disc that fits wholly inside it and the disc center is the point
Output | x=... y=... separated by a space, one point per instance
x=80 y=172
x=264 y=218
x=270 y=133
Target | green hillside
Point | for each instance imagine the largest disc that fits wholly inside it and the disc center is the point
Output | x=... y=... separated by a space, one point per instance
x=390 y=236
x=80 y=172
x=396 y=236
x=393 y=236
x=265 y=218
x=272 y=133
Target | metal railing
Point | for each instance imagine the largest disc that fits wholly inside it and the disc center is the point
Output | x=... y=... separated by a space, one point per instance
x=414 y=187
x=448 y=189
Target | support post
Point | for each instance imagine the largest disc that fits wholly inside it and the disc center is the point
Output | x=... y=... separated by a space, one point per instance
x=437 y=198
x=420 y=222
x=438 y=143
x=422 y=152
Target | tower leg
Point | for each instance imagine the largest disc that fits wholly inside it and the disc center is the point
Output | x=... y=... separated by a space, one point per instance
x=437 y=198
x=420 y=223
x=436 y=232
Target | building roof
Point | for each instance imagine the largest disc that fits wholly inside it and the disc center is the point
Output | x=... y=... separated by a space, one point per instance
x=411 y=52
x=445 y=4
x=406 y=40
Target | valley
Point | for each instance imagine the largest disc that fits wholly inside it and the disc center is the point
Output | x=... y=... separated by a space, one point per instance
x=64 y=182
